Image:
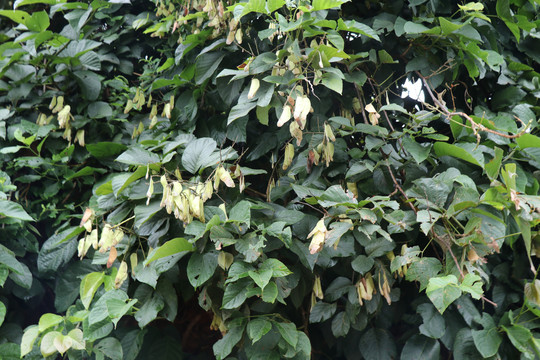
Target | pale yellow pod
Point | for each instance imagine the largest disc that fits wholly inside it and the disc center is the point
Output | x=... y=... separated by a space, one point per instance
x=285 y=115
x=253 y=88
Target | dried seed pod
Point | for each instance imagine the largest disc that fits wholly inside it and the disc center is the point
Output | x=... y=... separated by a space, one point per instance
x=357 y=108
x=118 y=236
x=106 y=240
x=319 y=234
x=225 y=176
x=296 y=132
x=129 y=106
x=289 y=155
x=113 y=253
x=134 y=260
x=317 y=288
x=121 y=275
x=328 y=133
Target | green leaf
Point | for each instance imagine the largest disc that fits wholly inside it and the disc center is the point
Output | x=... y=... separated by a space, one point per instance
x=341 y=324
x=149 y=311
x=138 y=156
x=8 y=260
x=38 y=21
x=111 y=348
x=442 y=291
x=322 y=311
x=472 y=284
x=418 y=152
x=77 y=339
x=197 y=153
x=288 y=332
x=99 y=110
x=171 y=247
x=326 y=4
x=201 y=267
x=89 y=82
x=13 y=210
x=447 y=26
x=270 y=293
x=362 y=264
x=47 y=343
x=421 y=347
x=487 y=341
x=224 y=346
x=434 y=325
x=89 y=285
x=423 y=270
x=28 y=339
x=2 y=312
x=445 y=149
x=47 y=321
x=494 y=165
x=261 y=277
x=527 y=141
x=206 y=65
x=377 y=344
x=105 y=149
x=414 y=28
x=17 y=16
x=357 y=27
x=333 y=82
x=257 y=328
x=519 y=336
x=241 y=212
x=235 y=294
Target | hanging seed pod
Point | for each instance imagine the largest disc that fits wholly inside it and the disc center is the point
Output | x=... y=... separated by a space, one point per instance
x=92 y=239
x=167 y=111
x=59 y=104
x=296 y=132
x=79 y=137
x=328 y=153
x=357 y=108
x=289 y=155
x=208 y=191
x=317 y=288
x=106 y=240
x=225 y=176
x=328 y=133
x=255 y=83
x=121 y=275
x=112 y=256
x=351 y=186
x=118 y=236
x=319 y=235
x=298 y=107
x=52 y=105
x=150 y=192
x=63 y=116
x=129 y=106
x=285 y=115
x=370 y=286
x=83 y=247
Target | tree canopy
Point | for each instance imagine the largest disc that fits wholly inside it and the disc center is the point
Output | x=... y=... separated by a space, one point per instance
x=251 y=179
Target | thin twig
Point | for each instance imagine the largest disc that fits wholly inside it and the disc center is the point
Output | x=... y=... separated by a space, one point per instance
x=398 y=187
x=474 y=125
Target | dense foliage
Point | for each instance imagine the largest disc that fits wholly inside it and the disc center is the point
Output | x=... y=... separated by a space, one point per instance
x=248 y=180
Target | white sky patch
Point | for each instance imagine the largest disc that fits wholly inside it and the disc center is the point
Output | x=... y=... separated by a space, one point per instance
x=413 y=90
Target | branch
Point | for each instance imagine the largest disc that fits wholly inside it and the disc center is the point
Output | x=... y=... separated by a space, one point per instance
x=474 y=125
